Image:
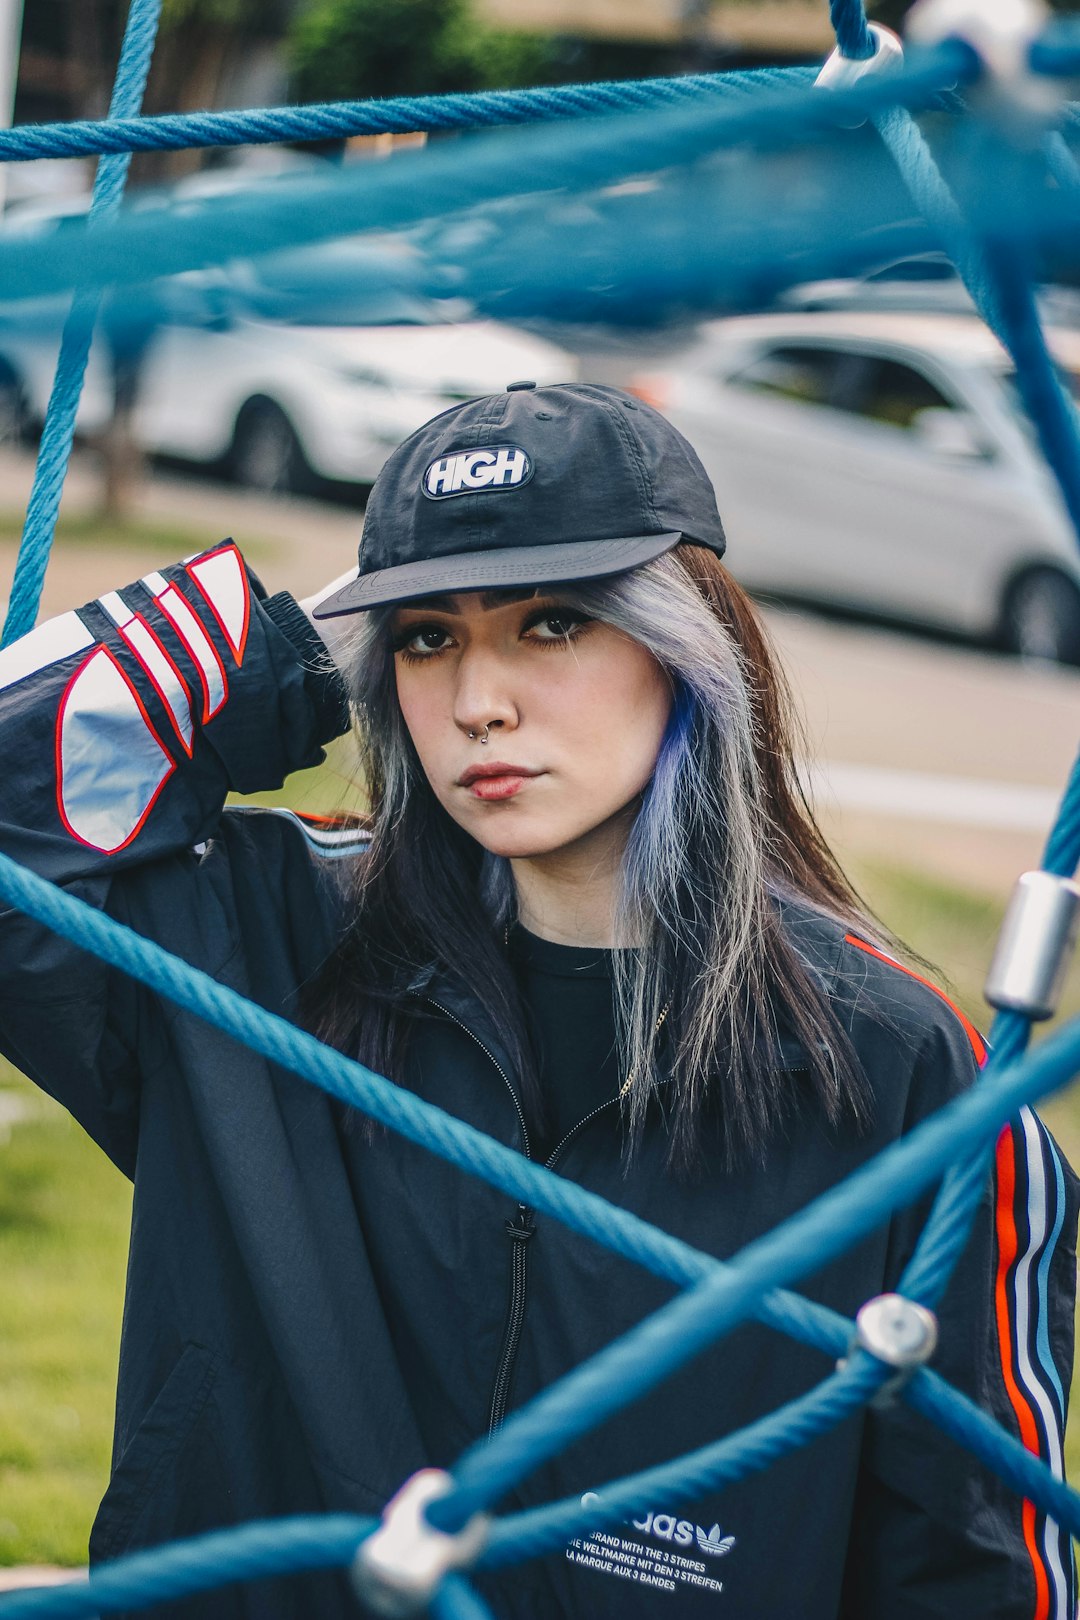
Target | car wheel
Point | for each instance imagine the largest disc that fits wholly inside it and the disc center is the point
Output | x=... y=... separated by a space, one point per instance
x=266 y=453
x=1042 y=617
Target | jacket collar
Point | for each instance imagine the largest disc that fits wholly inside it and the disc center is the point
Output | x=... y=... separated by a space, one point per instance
x=434 y=986
x=818 y=938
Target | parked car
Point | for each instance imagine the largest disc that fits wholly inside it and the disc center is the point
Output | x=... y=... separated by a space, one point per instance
x=920 y=281
x=882 y=462
x=282 y=403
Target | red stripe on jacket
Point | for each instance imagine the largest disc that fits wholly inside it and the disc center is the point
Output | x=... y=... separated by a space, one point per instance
x=978 y=1045
x=1008 y=1244
x=1007 y=1247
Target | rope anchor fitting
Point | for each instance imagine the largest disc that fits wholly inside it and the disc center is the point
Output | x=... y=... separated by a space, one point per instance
x=844 y=72
x=398 y=1569
x=897 y=1331
x=1035 y=945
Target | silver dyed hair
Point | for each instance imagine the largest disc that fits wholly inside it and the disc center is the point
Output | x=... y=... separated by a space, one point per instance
x=694 y=881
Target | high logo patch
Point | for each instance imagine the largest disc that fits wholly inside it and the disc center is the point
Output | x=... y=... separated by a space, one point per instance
x=492 y=467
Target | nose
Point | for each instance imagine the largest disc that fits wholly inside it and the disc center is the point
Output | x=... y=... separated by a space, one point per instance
x=483 y=695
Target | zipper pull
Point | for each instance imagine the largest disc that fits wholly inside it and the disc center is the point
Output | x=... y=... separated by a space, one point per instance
x=523 y=1228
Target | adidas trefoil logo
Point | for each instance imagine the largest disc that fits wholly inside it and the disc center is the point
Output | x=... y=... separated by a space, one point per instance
x=713 y=1543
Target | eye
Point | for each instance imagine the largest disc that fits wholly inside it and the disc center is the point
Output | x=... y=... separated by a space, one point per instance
x=555 y=624
x=421 y=640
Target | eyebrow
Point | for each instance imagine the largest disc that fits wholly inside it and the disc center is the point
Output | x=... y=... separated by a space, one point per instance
x=488 y=601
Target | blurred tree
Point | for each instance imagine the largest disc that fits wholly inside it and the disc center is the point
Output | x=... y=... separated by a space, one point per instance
x=339 y=49
x=68 y=61
x=200 y=43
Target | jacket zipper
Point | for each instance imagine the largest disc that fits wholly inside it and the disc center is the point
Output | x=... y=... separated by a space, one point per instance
x=519 y=1231
x=491 y=1059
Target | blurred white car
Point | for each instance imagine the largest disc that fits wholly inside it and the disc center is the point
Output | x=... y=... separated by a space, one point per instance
x=278 y=403
x=882 y=462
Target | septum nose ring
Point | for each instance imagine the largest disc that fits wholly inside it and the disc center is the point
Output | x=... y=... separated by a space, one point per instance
x=484 y=738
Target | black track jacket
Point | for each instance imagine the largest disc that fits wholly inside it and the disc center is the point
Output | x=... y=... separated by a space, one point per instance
x=314 y=1312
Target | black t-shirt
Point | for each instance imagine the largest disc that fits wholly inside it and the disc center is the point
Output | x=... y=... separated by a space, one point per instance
x=570 y=1016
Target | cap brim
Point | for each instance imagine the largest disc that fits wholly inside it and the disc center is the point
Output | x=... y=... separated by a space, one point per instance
x=495 y=571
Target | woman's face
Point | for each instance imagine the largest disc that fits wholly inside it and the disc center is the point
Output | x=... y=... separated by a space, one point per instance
x=576 y=712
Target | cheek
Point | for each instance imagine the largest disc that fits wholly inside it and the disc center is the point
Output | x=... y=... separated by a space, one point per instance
x=615 y=729
x=638 y=726
x=423 y=707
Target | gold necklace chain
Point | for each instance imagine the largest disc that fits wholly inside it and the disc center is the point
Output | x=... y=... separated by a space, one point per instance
x=624 y=1089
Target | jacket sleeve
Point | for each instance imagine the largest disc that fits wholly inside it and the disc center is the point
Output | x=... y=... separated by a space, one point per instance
x=123 y=727
x=936 y=1534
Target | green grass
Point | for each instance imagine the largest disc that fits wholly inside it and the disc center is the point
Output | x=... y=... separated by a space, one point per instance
x=64 y=1215
x=143 y=534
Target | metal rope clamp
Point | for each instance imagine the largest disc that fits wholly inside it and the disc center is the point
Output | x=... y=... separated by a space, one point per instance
x=398 y=1569
x=1035 y=945
x=844 y=72
x=898 y=1332
x=1001 y=34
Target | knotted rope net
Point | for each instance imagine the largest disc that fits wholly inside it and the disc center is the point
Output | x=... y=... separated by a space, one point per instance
x=585 y=140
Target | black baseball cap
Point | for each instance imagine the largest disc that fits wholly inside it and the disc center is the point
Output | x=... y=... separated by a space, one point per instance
x=529 y=487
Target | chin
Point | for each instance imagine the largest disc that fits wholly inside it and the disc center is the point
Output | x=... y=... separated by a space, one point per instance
x=520 y=842
x=518 y=849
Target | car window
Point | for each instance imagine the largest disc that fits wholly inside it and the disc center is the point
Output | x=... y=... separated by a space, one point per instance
x=896 y=393
x=866 y=385
x=810 y=375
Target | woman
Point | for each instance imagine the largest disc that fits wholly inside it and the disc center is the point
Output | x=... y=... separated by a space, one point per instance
x=592 y=917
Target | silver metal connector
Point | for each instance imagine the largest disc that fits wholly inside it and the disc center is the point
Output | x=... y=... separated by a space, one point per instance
x=398 y=1569
x=1035 y=945
x=898 y=1332
x=1001 y=33
x=842 y=72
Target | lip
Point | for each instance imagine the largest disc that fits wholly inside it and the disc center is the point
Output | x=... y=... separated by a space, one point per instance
x=493 y=768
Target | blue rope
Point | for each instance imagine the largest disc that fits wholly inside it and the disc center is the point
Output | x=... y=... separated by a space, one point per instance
x=1001 y=287
x=539 y=1530
x=282 y=1042
x=727 y=1295
x=1063 y=846
x=719 y=1295
x=331 y=120
x=58 y=434
x=1063 y=165
x=1057 y=52
x=1005 y=299
x=263 y=1548
x=853 y=37
x=827 y=1227
x=546 y=1529
x=1028 y=1475
x=416 y=186
x=1052 y=412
